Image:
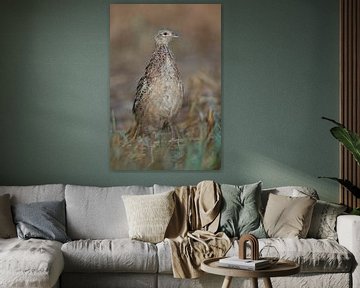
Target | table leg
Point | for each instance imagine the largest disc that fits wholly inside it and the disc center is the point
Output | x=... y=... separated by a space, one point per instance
x=267 y=283
x=254 y=282
x=227 y=282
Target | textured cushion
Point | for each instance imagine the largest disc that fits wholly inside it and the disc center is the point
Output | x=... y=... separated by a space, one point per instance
x=313 y=255
x=149 y=215
x=7 y=227
x=287 y=216
x=37 y=193
x=31 y=263
x=117 y=255
x=44 y=220
x=323 y=222
x=240 y=210
x=98 y=213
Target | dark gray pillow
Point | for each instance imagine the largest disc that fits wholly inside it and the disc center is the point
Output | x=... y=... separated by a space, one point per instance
x=44 y=220
x=240 y=213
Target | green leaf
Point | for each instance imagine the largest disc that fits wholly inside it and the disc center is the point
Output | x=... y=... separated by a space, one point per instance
x=347 y=184
x=348 y=138
x=355 y=211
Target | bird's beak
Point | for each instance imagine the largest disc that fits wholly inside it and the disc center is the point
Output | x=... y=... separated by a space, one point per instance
x=174 y=35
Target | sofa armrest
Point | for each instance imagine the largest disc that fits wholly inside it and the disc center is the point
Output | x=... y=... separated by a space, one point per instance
x=348 y=230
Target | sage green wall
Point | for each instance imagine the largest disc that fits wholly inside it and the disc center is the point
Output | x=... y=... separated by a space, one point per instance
x=280 y=75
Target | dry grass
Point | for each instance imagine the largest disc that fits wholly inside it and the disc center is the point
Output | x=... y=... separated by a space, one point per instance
x=198 y=146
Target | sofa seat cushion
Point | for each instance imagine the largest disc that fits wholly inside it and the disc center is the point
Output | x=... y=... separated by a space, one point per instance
x=313 y=255
x=30 y=263
x=115 y=255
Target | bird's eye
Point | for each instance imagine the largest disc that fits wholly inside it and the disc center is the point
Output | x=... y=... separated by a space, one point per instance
x=165 y=33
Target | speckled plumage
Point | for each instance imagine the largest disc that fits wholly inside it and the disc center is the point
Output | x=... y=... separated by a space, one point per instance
x=159 y=93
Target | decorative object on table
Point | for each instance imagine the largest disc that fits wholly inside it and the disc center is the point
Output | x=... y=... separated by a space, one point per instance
x=165 y=95
x=351 y=141
x=270 y=253
x=254 y=246
x=260 y=259
x=241 y=261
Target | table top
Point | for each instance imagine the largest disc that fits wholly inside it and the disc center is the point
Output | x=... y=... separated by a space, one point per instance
x=281 y=268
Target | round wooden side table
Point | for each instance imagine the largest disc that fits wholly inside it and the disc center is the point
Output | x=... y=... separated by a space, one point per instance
x=281 y=268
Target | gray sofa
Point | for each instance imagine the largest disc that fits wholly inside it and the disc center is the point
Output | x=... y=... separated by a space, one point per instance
x=101 y=254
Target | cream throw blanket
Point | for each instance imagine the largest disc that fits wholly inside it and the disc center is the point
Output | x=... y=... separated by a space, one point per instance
x=191 y=231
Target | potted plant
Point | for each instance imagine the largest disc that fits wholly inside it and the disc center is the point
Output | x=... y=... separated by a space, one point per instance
x=351 y=141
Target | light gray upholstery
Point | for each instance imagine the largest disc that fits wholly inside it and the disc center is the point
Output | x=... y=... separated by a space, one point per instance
x=117 y=255
x=162 y=188
x=98 y=213
x=108 y=280
x=30 y=263
x=37 y=193
x=111 y=260
x=313 y=255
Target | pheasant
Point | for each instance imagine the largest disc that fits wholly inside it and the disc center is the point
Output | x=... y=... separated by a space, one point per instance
x=159 y=93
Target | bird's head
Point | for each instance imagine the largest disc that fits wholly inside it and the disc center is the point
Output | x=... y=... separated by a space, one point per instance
x=163 y=37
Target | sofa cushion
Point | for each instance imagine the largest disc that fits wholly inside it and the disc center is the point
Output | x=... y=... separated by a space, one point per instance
x=291 y=191
x=43 y=220
x=287 y=216
x=37 y=193
x=323 y=222
x=98 y=213
x=149 y=215
x=7 y=226
x=240 y=210
x=30 y=263
x=117 y=255
x=313 y=255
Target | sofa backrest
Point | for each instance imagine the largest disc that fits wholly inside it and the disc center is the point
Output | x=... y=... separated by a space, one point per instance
x=98 y=213
x=293 y=191
x=162 y=188
x=36 y=193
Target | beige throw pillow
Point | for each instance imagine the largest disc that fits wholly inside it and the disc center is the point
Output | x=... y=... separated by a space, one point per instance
x=7 y=226
x=288 y=217
x=149 y=215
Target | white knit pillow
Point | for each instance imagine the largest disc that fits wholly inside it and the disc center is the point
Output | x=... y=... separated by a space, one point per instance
x=149 y=215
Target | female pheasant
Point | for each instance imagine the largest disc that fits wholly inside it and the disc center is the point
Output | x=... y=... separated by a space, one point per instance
x=159 y=93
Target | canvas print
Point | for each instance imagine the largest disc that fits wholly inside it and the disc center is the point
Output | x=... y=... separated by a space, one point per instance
x=165 y=86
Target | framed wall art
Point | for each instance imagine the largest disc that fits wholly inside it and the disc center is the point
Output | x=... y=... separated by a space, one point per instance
x=165 y=86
